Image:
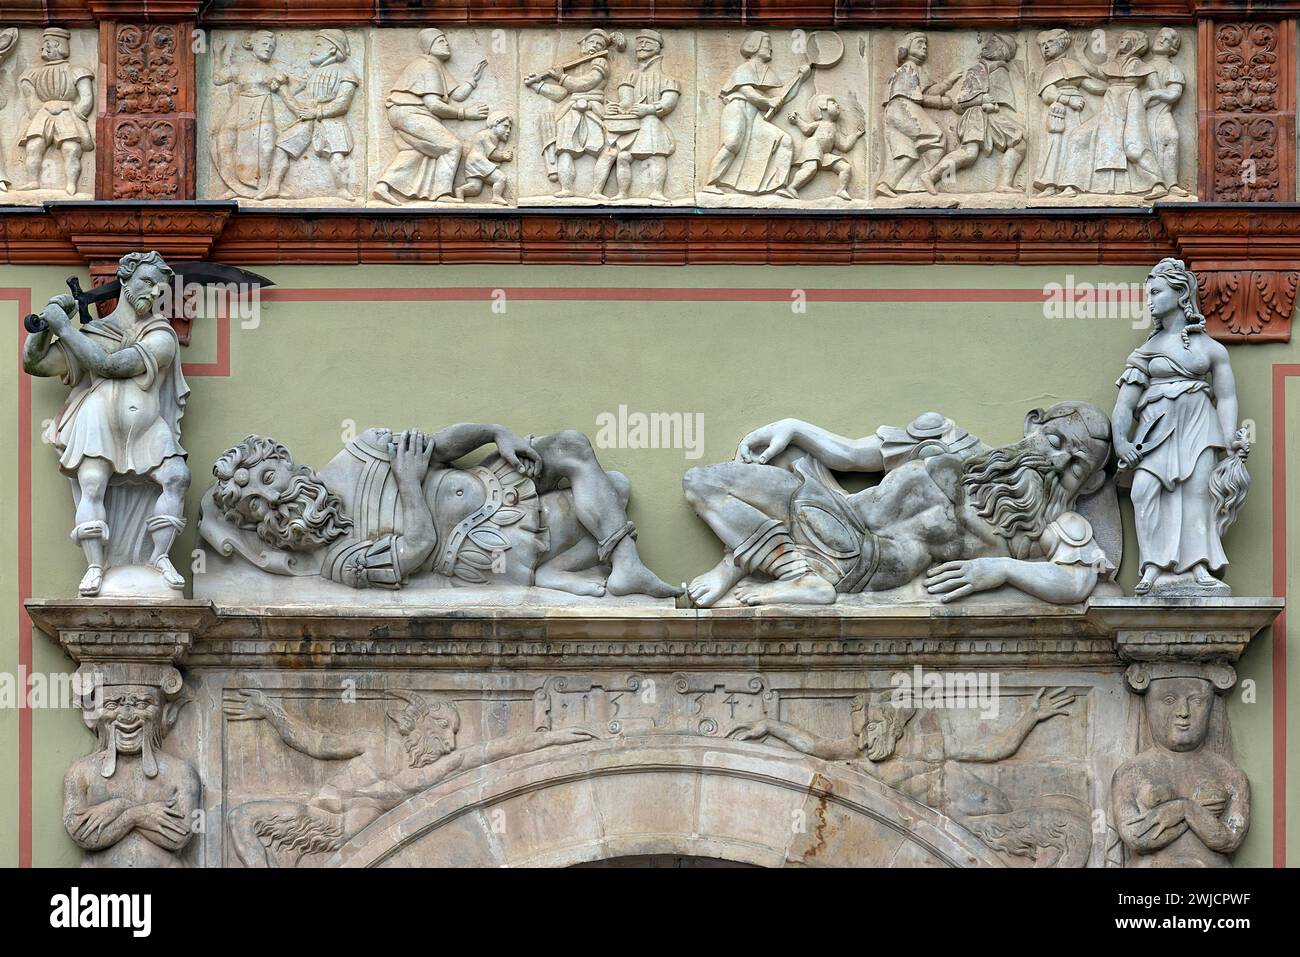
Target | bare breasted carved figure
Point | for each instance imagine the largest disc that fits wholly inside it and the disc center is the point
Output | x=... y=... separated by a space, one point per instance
x=118 y=433
x=129 y=803
x=391 y=506
x=375 y=778
x=1178 y=803
x=929 y=766
x=969 y=517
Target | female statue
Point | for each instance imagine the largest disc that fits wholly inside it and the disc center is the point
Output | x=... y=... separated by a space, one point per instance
x=1176 y=410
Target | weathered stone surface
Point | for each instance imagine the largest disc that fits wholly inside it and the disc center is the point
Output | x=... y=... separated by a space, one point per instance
x=399 y=738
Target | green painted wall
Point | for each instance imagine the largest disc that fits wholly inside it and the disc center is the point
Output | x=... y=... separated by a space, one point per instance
x=309 y=371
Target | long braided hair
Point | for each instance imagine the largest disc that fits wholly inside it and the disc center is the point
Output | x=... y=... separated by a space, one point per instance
x=1183 y=282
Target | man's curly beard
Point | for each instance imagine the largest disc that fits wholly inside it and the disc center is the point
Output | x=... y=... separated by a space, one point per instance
x=307 y=516
x=1018 y=492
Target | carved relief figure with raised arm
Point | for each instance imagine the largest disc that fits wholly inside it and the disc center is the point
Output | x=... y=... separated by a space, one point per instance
x=1180 y=802
x=828 y=136
x=391 y=506
x=1112 y=152
x=425 y=96
x=987 y=97
x=968 y=517
x=243 y=143
x=320 y=100
x=636 y=119
x=129 y=803
x=929 y=766
x=1175 y=430
x=755 y=154
x=375 y=775
x=911 y=134
x=1061 y=86
x=118 y=434
x=577 y=127
x=61 y=97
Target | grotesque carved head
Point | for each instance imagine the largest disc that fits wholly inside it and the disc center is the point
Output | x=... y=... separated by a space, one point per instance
x=883 y=725
x=258 y=487
x=132 y=720
x=428 y=729
x=145 y=278
x=1022 y=488
x=1178 y=711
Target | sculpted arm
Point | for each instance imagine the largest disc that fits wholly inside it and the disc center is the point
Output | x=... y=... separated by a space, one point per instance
x=253 y=705
x=94 y=827
x=1007 y=742
x=1121 y=421
x=1225 y=389
x=1144 y=831
x=835 y=451
x=40 y=358
x=1220 y=824
x=828 y=749
x=85 y=97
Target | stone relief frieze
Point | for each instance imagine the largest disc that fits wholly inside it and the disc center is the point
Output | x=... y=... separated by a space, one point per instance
x=47 y=113
x=765 y=118
x=284 y=116
x=446 y=127
x=609 y=117
x=923 y=752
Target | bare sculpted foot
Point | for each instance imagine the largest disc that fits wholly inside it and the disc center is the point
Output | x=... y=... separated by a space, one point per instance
x=590 y=584
x=706 y=590
x=633 y=578
x=805 y=590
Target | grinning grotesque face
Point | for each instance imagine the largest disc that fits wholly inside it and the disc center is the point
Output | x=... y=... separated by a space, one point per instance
x=258 y=487
x=428 y=729
x=1022 y=488
x=1178 y=711
x=129 y=722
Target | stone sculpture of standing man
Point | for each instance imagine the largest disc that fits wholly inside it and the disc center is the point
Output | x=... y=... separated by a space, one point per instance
x=62 y=97
x=118 y=434
x=1175 y=428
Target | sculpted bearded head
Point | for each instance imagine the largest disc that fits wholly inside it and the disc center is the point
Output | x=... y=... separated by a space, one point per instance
x=1022 y=488
x=428 y=729
x=146 y=279
x=259 y=488
x=883 y=725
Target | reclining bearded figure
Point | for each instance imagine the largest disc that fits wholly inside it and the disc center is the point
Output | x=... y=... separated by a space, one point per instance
x=390 y=506
x=1039 y=516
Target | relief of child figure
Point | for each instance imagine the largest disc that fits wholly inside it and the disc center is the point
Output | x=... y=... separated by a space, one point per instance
x=825 y=143
x=483 y=159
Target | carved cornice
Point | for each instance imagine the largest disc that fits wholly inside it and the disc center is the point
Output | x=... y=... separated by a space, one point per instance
x=871 y=637
x=1246 y=255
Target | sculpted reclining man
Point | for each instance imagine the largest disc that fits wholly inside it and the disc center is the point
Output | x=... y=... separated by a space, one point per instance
x=537 y=512
x=970 y=517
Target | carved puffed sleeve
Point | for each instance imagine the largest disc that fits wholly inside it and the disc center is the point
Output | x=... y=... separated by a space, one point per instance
x=1069 y=541
x=371 y=564
x=1135 y=371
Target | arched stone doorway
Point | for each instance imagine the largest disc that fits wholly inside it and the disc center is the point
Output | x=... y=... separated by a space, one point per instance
x=663 y=796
